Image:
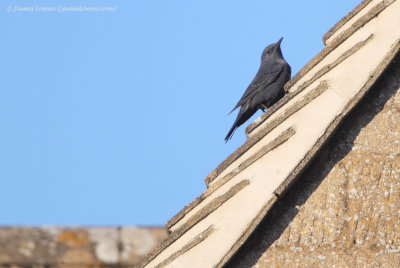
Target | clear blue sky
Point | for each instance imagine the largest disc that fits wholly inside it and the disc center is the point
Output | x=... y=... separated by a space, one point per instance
x=116 y=117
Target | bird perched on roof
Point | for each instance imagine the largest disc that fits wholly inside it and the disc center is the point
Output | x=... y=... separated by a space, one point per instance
x=266 y=88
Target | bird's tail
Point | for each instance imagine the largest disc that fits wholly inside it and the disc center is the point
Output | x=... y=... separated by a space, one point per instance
x=231 y=131
x=242 y=116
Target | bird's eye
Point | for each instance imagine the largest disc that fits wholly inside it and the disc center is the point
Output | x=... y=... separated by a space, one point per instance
x=269 y=51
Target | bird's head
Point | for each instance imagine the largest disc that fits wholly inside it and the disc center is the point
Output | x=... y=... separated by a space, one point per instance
x=273 y=51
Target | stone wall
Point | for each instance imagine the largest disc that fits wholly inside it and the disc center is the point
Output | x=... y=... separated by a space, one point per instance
x=344 y=210
x=66 y=247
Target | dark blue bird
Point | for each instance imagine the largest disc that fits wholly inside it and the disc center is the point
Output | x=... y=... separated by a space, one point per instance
x=266 y=87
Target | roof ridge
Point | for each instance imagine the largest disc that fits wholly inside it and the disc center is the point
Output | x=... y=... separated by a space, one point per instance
x=345 y=19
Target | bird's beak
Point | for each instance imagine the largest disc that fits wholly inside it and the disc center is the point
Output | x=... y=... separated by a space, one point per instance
x=279 y=42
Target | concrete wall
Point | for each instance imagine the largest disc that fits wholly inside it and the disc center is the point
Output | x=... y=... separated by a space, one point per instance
x=68 y=247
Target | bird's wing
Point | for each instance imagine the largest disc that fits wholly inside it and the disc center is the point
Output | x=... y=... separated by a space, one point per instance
x=262 y=79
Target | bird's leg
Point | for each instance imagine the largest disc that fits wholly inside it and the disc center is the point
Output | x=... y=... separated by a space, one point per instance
x=263 y=108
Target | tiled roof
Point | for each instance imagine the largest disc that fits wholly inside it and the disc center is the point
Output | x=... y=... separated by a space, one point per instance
x=283 y=141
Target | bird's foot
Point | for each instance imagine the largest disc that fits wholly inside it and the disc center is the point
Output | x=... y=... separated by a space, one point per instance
x=263 y=108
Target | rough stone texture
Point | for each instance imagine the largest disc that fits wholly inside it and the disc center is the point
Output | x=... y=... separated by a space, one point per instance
x=76 y=247
x=345 y=19
x=374 y=12
x=344 y=211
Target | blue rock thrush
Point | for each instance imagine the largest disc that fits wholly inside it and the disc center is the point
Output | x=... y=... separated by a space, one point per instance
x=266 y=88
